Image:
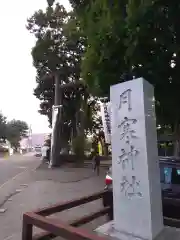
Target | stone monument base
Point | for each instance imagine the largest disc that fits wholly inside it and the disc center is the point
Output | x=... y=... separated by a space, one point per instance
x=109 y=232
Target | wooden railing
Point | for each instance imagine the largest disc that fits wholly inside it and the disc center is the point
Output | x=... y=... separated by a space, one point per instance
x=54 y=227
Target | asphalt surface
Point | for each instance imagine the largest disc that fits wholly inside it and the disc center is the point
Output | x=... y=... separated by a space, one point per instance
x=45 y=187
x=14 y=165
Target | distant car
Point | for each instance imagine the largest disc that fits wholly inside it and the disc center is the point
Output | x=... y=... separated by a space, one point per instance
x=170 y=185
x=38 y=151
x=3 y=147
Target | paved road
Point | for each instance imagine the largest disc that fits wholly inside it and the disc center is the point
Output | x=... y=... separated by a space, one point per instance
x=45 y=187
x=14 y=165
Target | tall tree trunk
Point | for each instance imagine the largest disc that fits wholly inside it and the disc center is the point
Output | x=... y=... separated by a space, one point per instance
x=56 y=134
x=104 y=147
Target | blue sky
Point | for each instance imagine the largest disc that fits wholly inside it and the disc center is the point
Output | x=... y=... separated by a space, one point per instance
x=17 y=73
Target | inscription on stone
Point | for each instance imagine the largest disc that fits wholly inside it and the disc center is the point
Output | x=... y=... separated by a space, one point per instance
x=130 y=186
x=125 y=97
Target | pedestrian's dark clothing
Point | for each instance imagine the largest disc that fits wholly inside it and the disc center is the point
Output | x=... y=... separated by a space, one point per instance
x=96 y=161
x=48 y=154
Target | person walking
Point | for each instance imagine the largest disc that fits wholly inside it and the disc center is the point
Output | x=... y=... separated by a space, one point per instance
x=96 y=161
x=44 y=152
x=48 y=154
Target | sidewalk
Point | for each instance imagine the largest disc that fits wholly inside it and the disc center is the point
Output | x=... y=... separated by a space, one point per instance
x=104 y=163
x=43 y=187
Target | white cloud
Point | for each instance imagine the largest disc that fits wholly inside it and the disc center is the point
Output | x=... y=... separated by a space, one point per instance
x=17 y=78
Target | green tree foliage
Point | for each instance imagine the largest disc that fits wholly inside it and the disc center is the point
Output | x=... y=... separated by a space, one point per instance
x=153 y=50
x=58 y=49
x=53 y=52
x=16 y=130
x=13 y=131
x=154 y=46
x=127 y=39
x=104 y=26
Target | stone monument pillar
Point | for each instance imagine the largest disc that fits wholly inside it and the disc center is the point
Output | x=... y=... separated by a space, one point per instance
x=135 y=166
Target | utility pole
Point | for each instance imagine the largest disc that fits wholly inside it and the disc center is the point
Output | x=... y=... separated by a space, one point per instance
x=56 y=118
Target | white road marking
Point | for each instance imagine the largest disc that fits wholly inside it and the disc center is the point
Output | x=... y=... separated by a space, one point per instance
x=9 y=237
x=22 y=167
x=13 y=178
x=17 y=175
